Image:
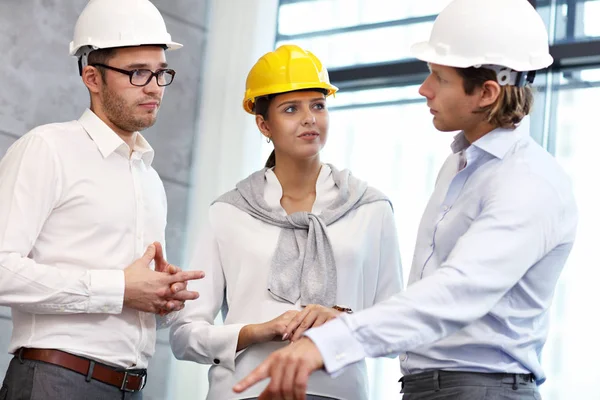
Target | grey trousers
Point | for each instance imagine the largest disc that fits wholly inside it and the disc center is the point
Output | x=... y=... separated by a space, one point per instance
x=35 y=380
x=446 y=385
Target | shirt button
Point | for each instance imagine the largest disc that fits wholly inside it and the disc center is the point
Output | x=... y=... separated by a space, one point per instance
x=403 y=357
x=217 y=361
x=445 y=208
x=340 y=356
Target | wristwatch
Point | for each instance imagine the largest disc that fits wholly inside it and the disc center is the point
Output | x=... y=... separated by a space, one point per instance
x=345 y=309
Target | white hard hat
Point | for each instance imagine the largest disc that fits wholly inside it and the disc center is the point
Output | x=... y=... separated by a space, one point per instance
x=472 y=33
x=119 y=23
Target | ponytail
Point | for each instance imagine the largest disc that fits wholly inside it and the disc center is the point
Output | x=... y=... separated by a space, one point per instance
x=271 y=160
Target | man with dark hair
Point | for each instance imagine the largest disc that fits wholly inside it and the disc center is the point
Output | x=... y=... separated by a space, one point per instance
x=82 y=223
x=492 y=242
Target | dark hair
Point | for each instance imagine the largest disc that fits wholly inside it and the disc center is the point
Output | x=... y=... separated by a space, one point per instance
x=512 y=105
x=261 y=107
x=101 y=56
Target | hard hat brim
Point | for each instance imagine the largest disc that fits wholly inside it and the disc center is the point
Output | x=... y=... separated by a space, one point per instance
x=74 y=49
x=250 y=98
x=424 y=51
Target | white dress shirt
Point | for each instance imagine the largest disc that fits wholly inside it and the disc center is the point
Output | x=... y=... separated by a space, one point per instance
x=76 y=210
x=490 y=248
x=236 y=252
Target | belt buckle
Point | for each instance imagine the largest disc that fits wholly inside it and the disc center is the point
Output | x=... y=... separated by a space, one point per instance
x=126 y=381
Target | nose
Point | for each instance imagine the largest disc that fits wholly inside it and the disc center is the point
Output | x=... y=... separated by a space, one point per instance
x=425 y=89
x=152 y=87
x=309 y=118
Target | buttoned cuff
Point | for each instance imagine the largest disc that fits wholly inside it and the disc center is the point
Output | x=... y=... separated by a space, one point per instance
x=224 y=345
x=107 y=291
x=337 y=345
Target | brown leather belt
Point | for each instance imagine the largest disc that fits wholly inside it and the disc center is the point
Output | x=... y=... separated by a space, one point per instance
x=124 y=380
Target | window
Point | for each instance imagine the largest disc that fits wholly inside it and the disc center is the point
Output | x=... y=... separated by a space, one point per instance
x=379 y=130
x=571 y=346
x=571 y=21
x=354 y=32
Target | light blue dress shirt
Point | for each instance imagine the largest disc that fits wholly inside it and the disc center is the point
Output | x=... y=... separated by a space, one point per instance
x=490 y=248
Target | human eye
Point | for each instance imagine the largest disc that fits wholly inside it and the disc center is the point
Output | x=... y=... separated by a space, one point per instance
x=141 y=73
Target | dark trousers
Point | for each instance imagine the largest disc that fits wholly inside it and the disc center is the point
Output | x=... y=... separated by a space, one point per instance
x=36 y=380
x=447 y=385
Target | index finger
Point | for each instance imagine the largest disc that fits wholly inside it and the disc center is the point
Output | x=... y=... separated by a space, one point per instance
x=186 y=276
x=160 y=264
x=159 y=250
x=258 y=374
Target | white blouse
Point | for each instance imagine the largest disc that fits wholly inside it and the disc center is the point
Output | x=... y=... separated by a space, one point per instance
x=236 y=250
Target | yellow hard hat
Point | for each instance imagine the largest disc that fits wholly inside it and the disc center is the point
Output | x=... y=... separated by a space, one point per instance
x=286 y=69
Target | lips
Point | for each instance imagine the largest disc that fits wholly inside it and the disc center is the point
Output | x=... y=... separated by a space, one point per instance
x=308 y=135
x=150 y=104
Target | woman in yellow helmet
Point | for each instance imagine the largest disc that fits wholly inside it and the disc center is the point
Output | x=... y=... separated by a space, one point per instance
x=293 y=246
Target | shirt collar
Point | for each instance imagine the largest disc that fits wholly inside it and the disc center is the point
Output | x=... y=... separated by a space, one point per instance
x=497 y=142
x=109 y=142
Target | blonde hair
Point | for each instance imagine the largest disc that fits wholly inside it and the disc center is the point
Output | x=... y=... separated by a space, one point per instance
x=512 y=104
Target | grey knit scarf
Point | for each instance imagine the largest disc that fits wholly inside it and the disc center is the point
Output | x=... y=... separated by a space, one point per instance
x=303 y=266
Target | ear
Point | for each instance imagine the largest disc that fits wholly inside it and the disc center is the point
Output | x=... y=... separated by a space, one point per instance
x=92 y=79
x=490 y=91
x=263 y=126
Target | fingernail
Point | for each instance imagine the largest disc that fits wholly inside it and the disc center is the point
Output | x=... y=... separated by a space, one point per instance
x=285 y=335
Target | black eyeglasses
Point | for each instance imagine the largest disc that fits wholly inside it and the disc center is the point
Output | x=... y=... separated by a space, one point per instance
x=142 y=77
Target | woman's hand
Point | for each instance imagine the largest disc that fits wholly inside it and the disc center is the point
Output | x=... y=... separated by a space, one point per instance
x=312 y=316
x=265 y=332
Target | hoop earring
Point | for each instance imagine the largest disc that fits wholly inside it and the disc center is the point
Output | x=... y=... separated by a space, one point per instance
x=268 y=140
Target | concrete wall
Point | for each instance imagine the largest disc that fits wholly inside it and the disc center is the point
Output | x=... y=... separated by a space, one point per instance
x=39 y=84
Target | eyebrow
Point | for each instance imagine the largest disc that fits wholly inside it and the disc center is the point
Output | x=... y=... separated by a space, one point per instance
x=432 y=70
x=142 y=65
x=435 y=72
x=293 y=102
